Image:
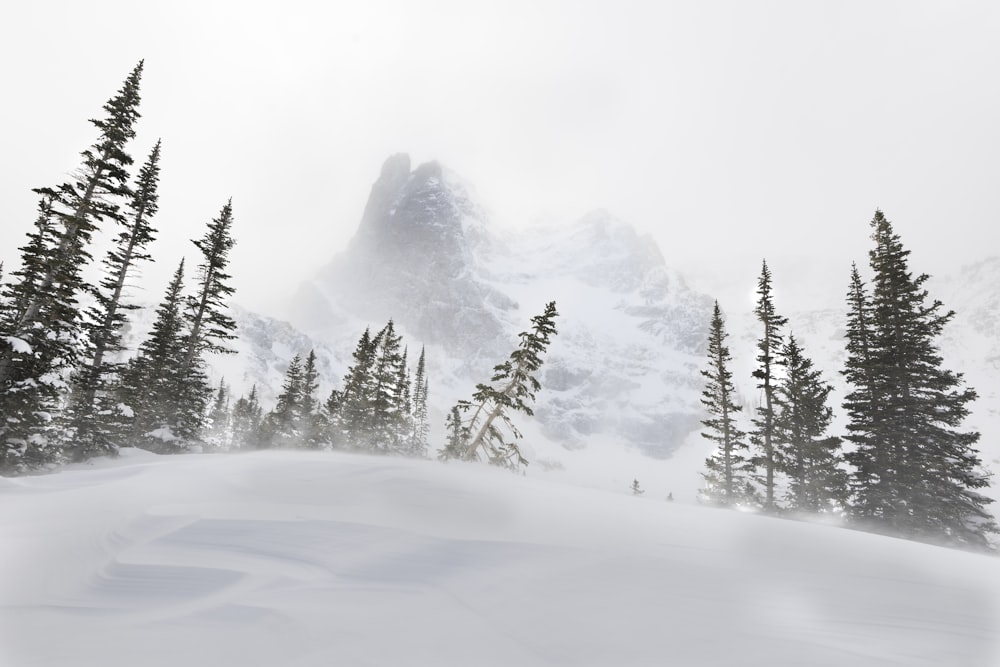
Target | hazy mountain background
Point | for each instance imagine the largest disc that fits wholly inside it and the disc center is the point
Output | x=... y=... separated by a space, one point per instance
x=621 y=382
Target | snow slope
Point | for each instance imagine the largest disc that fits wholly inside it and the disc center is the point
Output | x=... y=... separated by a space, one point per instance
x=295 y=559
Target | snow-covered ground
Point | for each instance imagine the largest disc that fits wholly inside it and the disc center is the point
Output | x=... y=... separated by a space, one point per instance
x=293 y=559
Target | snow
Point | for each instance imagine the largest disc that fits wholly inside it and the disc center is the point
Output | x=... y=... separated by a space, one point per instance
x=19 y=345
x=299 y=559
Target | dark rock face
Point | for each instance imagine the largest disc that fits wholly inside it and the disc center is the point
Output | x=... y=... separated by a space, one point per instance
x=412 y=260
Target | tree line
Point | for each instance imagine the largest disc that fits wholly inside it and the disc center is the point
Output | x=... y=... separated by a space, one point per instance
x=909 y=470
x=381 y=406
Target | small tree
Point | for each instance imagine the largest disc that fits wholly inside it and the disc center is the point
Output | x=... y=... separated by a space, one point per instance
x=246 y=417
x=636 y=490
x=512 y=389
x=810 y=458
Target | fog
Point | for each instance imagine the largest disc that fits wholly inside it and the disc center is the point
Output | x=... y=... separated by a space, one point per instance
x=729 y=131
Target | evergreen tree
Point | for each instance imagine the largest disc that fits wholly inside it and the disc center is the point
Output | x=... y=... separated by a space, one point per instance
x=93 y=411
x=209 y=325
x=385 y=417
x=166 y=397
x=869 y=480
x=727 y=473
x=769 y=346
x=804 y=452
x=281 y=427
x=218 y=431
x=35 y=258
x=421 y=427
x=457 y=436
x=312 y=423
x=354 y=402
x=41 y=334
x=327 y=429
x=917 y=472
x=245 y=419
x=512 y=389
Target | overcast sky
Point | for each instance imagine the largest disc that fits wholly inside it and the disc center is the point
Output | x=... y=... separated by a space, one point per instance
x=731 y=131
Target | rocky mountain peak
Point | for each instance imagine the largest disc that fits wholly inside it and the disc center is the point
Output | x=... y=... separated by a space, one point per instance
x=421 y=213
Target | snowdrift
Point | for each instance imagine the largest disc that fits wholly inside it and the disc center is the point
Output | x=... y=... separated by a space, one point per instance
x=296 y=559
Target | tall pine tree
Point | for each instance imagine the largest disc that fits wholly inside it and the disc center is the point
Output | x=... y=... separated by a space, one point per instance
x=769 y=347
x=727 y=477
x=421 y=426
x=918 y=472
x=94 y=415
x=41 y=333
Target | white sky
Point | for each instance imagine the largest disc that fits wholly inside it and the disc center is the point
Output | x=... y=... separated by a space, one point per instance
x=730 y=130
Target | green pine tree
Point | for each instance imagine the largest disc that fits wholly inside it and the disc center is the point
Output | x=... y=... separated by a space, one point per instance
x=166 y=397
x=769 y=347
x=41 y=333
x=512 y=389
x=218 y=432
x=917 y=473
x=384 y=427
x=95 y=417
x=245 y=419
x=727 y=469
x=209 y=324
x=805 y=453
x=282 y=426
x=353 y=404
x=421 y=426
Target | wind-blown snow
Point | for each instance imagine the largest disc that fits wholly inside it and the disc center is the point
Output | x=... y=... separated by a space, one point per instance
x=297 y=559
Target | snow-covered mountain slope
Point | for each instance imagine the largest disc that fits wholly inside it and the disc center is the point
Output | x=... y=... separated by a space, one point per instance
x=302 y=559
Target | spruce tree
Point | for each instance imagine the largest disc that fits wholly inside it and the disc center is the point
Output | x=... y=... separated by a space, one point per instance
x=354 y=401
x=805 y=453
x=218 y=432
x=769 y=346
x=327 y=424
x=41 y=333
x=421 y=427
x=512 y=389
x=869 y=459
x=727 y=473
x=79 y=206
x=209 y=324
x=384 y=426
x=94 y=414
x=245 y=420
x=917 y=472
x=281 y=426
x=312 y=423
x=457 y=436
x=166 y=397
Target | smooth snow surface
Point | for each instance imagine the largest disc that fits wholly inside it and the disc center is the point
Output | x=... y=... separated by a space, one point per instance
x=294 y=559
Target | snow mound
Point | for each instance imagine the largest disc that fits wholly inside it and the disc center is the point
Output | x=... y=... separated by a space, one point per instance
x=290 y=558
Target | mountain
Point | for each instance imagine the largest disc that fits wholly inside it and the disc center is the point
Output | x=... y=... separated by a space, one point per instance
x=621 y=382
x=624 y=365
